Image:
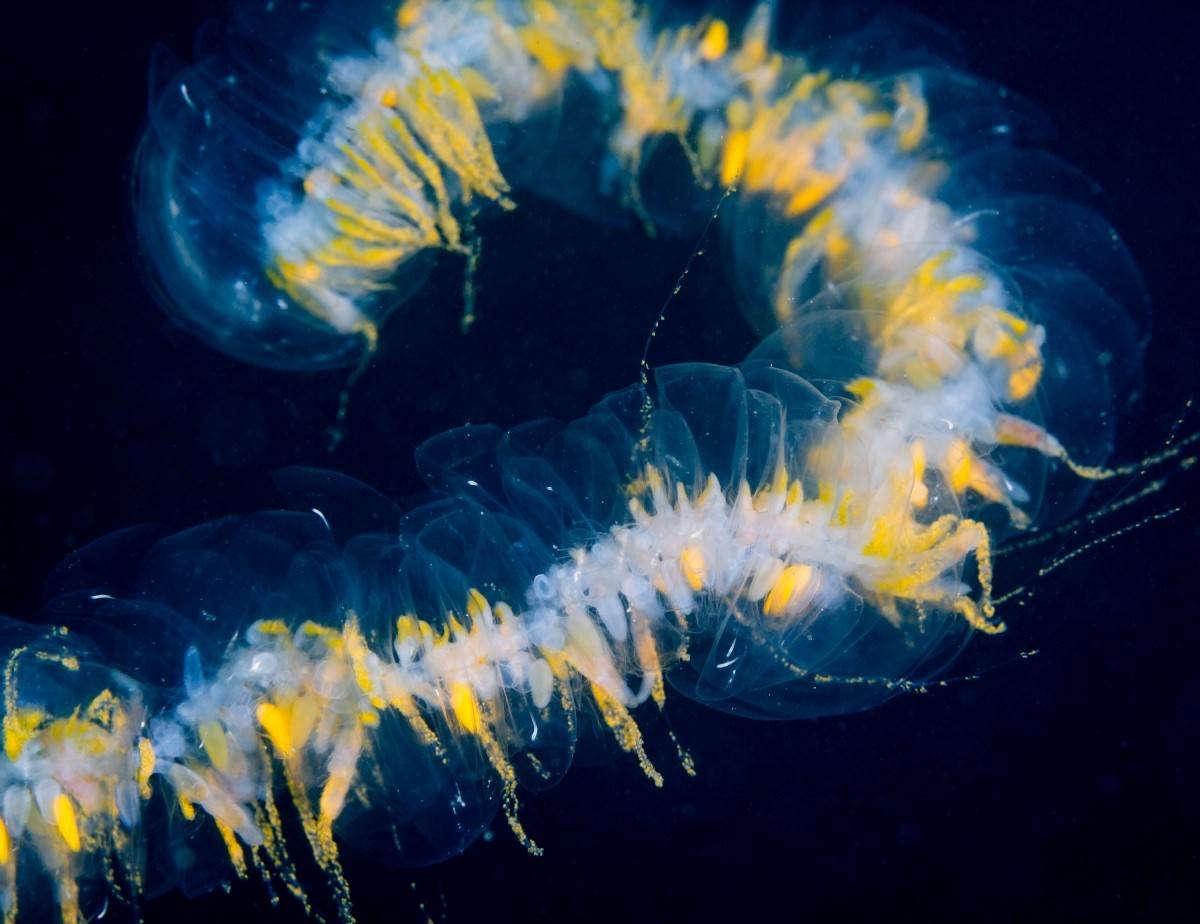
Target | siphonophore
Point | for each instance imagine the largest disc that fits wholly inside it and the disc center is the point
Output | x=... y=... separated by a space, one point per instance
x=948 y=337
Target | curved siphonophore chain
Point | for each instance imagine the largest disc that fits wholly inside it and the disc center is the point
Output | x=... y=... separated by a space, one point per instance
x=949 y=335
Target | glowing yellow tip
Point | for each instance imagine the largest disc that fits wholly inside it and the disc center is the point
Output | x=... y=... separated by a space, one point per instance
x=691 y=563
x=477 y=604
x=715 y=41
x=462 y=701
x=5 y=850
x=409 y=13
x=912 y=117
x=737 y=145
x=274 y=722
x=958 y=461
x=1022 y=382
x=64 y=820
x=791 y=582
x=146 y=762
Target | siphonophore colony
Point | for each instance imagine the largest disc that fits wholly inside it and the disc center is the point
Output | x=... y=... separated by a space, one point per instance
x=946 y=337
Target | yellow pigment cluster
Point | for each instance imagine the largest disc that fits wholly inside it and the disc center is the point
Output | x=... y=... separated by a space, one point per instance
x=72 y=787
x=939 y=326
x=875 y=535
x=400 y=169
x=781 y=131
x=413 y=151
x=297 y=708
x=388 y=194
x=77 y=783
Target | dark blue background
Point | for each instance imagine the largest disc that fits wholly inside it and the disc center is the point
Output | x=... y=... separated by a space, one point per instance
x=1062 y=784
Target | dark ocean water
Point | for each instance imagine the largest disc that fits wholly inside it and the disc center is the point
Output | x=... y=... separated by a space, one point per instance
x=1061 y=784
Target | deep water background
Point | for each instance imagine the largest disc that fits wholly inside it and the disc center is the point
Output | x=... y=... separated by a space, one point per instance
x=1061 y=784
